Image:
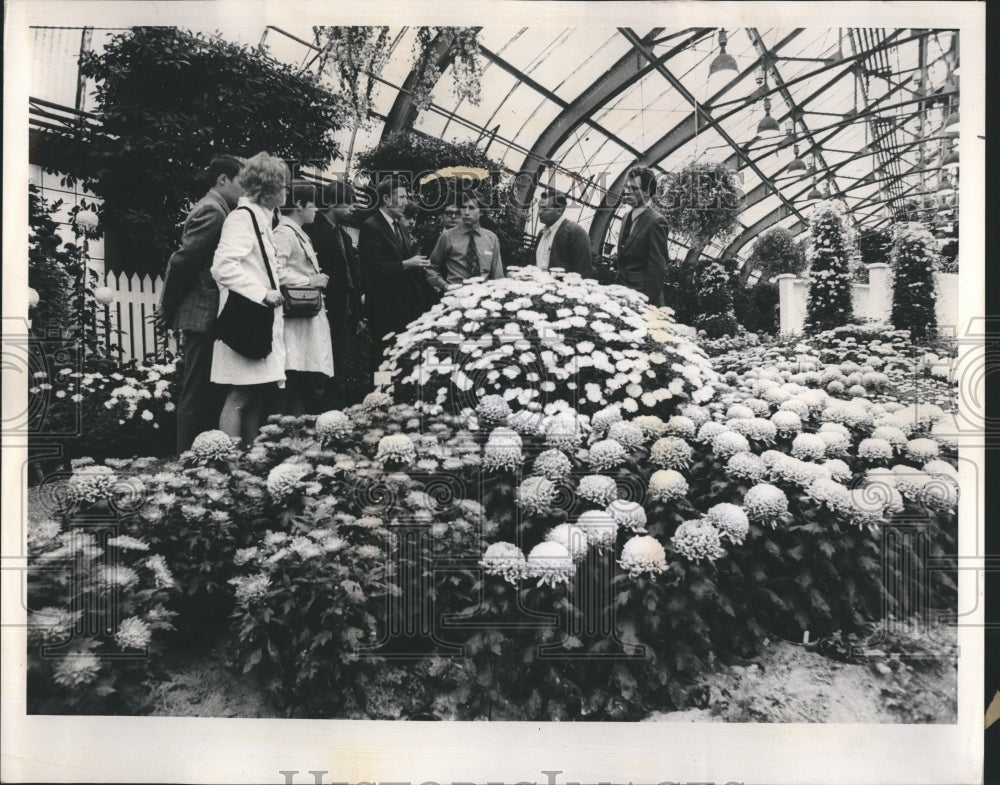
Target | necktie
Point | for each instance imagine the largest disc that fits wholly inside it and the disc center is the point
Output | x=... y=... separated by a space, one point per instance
x=399 y=237
x=338 y=233
x=544 y=243
x=626 y=230
x=472 y=254
x=275 y=218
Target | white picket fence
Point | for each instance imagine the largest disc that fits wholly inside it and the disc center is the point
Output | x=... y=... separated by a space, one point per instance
x=870 y=301
x=128 y=318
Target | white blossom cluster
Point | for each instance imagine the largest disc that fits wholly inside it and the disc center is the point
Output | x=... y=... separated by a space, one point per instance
x=333 y=424
x=535 y=495
x=642 y=554
x=214 y=445
x=697 y=540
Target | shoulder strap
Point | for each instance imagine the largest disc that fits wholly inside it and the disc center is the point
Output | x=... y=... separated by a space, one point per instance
x=260 y=241
x=311 y=259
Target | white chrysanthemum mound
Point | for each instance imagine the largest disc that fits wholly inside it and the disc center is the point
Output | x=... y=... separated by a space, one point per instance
x=832 y=494
x=697 y=540
x=396 y=447
x=756 y=428
x=91 y=484
x=729 y=443
x=377 y=400
x=786 y=422
x=133 y=633
x=671 y=452
x=643 y=553
x=527 y=422
x=746 y=466
x=709 y=430
x=553 y=336
x=536 y=494
x=599 y=526
x=504 y=559
x=493 y=410
x=628 y=434
x=77 y=670
x=572 y=538
x=565 y=430
x=666 y=485
x=502 y=450
x=598 y=489
x=606 y=454
x=730 y=520
x=872 y=449
x=286 y=478
x=213 y=446
x=892 y=434
x=836 y=443
x=550 y=562
x=552 y=464
x=680 y=425
x=333 y=424
x=765 y=502
x=839 y=470
x=628 y=515
x=252 y=589
x=922 y=450
x=605 y=418
x=808 y=447
x=941 y=468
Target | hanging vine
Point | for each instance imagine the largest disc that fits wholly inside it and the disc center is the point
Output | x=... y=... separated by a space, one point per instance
x=356 y=55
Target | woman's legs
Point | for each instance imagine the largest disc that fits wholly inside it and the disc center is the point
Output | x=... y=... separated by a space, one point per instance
x=241 y=412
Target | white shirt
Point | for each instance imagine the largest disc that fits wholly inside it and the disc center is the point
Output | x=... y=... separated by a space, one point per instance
x=544 y=249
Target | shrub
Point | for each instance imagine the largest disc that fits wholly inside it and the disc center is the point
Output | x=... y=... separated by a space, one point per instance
x=547 y=341
x=914 y=257
x=715 y=299
x=775 y=252
x=829 y=268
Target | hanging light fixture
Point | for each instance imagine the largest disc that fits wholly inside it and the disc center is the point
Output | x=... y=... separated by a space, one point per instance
x=797 y=164
x=815 y=194
x=951 y=123
x=950 y=160
x=768 y=126
x=946 y=188
x=723 y=61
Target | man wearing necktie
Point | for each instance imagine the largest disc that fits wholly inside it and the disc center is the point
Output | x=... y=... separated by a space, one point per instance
x=562 y=243
x=392 y=275
x=642 y=244
x=338 y=259
x=468 y=250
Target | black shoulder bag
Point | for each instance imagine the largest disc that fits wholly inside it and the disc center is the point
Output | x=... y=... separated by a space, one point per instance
x=245 y=326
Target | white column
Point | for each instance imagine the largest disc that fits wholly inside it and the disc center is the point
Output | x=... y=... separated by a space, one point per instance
x=787 y=305
x=880 y=292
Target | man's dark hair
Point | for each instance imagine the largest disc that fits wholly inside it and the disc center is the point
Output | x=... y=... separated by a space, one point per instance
x=338 y=192
x=303 y=192
x=223 y=164
x=558 y=199
x=472 y=196
x=411 y=210
x=388 y=184
x=645 y=176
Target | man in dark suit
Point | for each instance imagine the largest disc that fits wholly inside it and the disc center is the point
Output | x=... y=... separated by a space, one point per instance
x=338 y=259
x=562 y=243
x=642 y=244
x=393 y=276
x=189 y=301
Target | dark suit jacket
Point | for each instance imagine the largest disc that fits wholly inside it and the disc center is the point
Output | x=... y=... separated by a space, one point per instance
x=570 y=249
x=642 y=258
x=339 y=260
x=190 y=296
x=394 y=295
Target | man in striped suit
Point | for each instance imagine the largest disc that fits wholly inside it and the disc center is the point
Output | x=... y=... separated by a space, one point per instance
x=189 y=302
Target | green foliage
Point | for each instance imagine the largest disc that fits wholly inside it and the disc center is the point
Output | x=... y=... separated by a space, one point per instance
x=98 y=612
x=756 y=307
x=417 y=156
x=700 y=202
x=715 y=301
x=914 y=257
x=829 y=269
x=775 y=252
x=169 y=101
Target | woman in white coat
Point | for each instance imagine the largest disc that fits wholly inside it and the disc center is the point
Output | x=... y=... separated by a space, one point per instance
x=308 y=346
x=239 y=266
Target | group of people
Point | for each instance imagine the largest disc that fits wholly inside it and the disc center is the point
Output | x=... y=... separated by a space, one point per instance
x=255 y=232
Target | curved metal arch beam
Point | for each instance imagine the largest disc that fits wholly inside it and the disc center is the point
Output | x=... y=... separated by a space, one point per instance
x=623 y=74
x=403 y=113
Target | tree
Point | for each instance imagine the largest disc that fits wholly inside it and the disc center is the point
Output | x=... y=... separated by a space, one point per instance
x=914 y=258
x=169 y=101
x=774 y=253
x=715 y=298
x=416 y=157
x=829 y=268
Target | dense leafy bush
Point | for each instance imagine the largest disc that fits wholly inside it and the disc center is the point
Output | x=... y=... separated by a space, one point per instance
x=547 y=340
x=98 y=603
x=775 y=252
x=829 y=268
x=715 y=299
x=169 y=101
x=914 y=257
x=756 y=307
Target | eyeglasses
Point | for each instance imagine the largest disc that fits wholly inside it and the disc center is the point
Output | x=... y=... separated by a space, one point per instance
x=451 y=212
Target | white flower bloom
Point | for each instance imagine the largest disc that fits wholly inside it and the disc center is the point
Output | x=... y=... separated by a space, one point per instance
x=922 y=450
x=697 y=540
x=599 y=526
x=909 y=481
x=739 y=411
x=606 y=454
x=333 y=424
x=746 y=466
x=839 y=470
x=628 y=515
x=605 y=418
x=836 y=442
x=792 y=470
x=493 y=410
x=873 y=449
x=667 y=484
x=941 y=468
x=213 y=445
x=133 y=633
x=551 y=563
x=536 y=494
x=652 y=426
x=765 y=502
x=940 y=493
x=396 y=447
x=572 y=538
x=786 y=422
x=681 y=426
x=502 y=450
x=643 y=553
x=729 y=443
x=832 y=494
x=892 y=434
x=124 y=542
x=697 y=414
x=286 y=478
x=730 y=520
x=756 y=428
x=671 y=452
x=91 y=484
x=598 y=489
x=627 y=434
x=250 y=590
x=527 y=422
x=711 y=429
x=808 y=447
x=376 y=400
x=120 y=576
x=76 y=670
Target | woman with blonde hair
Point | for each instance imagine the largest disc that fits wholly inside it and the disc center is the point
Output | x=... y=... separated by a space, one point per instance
x=246 y=266
x=308 y=346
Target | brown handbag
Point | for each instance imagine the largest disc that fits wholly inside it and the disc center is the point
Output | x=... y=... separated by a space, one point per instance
x=302 y=302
